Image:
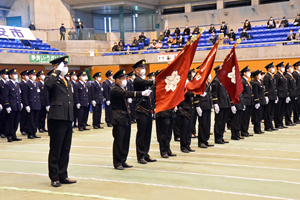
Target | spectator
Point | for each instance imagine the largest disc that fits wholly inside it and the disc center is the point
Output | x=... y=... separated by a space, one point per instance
x=167 y=32
x=80 y=30
x=196 y=31
x=297 y=37
x=277 y=24
x=247 y=25
x=284 y=22
x=175 y=40
x=31 y=26
x=62 y=31
x=152 y=45
x=271 y=23
x=297 y=21
x=223 y=28
x=231 y=35
x=181 y=41
x=161 y=36
x=158 y=45
x=177 y=31
x=211 y=29
x=142 y=38
x=121 y=44
x=226 y=40
x=72 y=34
x=244 y=35
x=213 y=38
x=291 y=35
x=170 y=40
x=135 y=42
x=115 y=47
x=186 y=30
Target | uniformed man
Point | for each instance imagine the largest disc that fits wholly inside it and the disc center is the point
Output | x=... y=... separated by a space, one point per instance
x=96 y=91
x=108 y=84
x=34 y=105
x=3 y=101
x=131 y=101
x=248 y=101
x=194 y=116
x=151 y=76
x=271 y=96
x=121 y=120
x=24 y=91
x=59 y=122
x=75 y=96
x=67 y=76
x=282 y=93
x=237 y=110
x=221 y=104
x=143 y=114
x=14 y=106
x=259 y=101
x=44 y=98
x=292 y=94
x=83 y=101
x=296 y=74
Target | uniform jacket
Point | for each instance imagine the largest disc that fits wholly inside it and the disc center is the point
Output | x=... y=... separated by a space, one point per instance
x=247 y=93
x=96 y=91
x=83 y=97
x=219 y=94
x=33 y=95
x=296 y=76
x=14 y=96
x=281 y=85
x=140 y=84
x=44 y=96
x=259 y=93
x=205 y=103
x=270 y=89
x=291 y=83
x=107 y=86
x=24 y=92
x=74 y=91
x=3 y=94
x=185 y=107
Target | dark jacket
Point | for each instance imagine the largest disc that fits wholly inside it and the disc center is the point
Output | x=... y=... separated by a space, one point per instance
x=247 y=27
x=224 y=28
x=60 y=97
x=24 y=92
x=62 y=29
x=31 y=27
x=96 y=91
x=291 y=84
x=107 y=86
x=232 y=35
x=212 y=29
x=185 y=107
x=83 y=96
x=270 y=89
x=167 y=33
x=244 y=34
x=140 y=84
x=259 y=93
x=3 y=94
x=177 y=31
x=44 y=96
x=247 y=93
x=284 y=22
x=219 y=94
x=268 y=23
x=205 y=103
x=297 y=78
x=14 y=96
x=186 y=31
x=33 y=95
x=281 y=85
x=74 y=88
x=196 y=30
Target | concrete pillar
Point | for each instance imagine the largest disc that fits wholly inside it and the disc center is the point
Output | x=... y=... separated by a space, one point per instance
x=121 y=22
x=188 y=7
x=220 y=4
x=254 y=2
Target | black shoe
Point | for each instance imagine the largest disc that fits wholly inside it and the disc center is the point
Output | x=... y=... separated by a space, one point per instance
x=172 y=154
x=194 y=136
x=109 y=125
x=23 y=133
x=41 y=131
x=16 y=139
x=142 y=161
x=185 y=151
x=209 y=145
x=245 y=135
x=95 y=127
x=75 y=126
x=219 y=142
x=31 y=137
x=88 y=125
x=165 y=155
x=177 y=139
x=45 y=130
x=67 y=181
x=274 y=129
x=150 y=160
x=269 y=130
x=284 y=127
x=100 y=127
x=202 y=146
x=250 y=135
x=280 y=127
x=241 y=138
x=119 y=167
x=35 y=136
x=190 y=150
x=3 y=136
x=125 y=165
x=235 y=138
x=9 y=140
x=86 y=129
x=80 y=129
x=225 y=141
x=55 y=184
x=101 y=123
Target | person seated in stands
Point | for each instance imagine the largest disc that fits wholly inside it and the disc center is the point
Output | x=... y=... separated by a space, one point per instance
x=167 y=32
x=211 y=29
x=180 y=41
x=73 y=34
x=121 y=44
x=170 y=40
x=223 y=28
x=135 y=42
x=277 y=24
x=271 y=23
x=231 y=35
x=244 y=35
x=175 y=40
x=152 y=44
x=291 y=35
x=226 y=40
x=297 y=36
x=161 y=36
x=177 y=31
x=158 y=45
x=297 y=21
x=176 y=36
x=142 y=38
x=196 y=30
x=213 y=38
x=186 y=30
x=31 y=26
x=115 y=47
x=284 y=22
x=247 y=25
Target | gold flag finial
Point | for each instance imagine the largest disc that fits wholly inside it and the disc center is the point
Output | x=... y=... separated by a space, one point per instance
x=202 y=29
x=221 y=36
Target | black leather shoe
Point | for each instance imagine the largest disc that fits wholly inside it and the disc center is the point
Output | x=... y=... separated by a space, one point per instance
x=269 y=130
x=142 y=161
x=284 y=127
x=202 y=146
x=95 y=127
x=177 y=139
x=241 y=137
x=3 y=136
x=250 y=135
x=86 y=129
x=45 y=130
x=119 y=167
x=244 y=135
x=165 y=155
x=185 y=151
x=150 y=160
x=55 y=184
x=36 y=136
x=41 y=131
x=80 y=129
x=280 y=127
x=16 y=139
x=9 y=140
x=88 y=125
x=235 y=138
x=190 y=150
x=225 y=141
x=67 y=181
x=219 y=142
x=23 y=133
x=109 y=125
x=125 y=165
x=274 y=129
x=209 y=145
x=100 y=127
x=31 y=137
x=172 y=154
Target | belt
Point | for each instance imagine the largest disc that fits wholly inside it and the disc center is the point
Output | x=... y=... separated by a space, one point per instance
x=121 y=111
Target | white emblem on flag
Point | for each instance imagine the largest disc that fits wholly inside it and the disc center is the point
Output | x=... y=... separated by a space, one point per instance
x=231 y=75
x=172 y=81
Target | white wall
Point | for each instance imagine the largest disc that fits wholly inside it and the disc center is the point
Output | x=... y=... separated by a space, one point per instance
x=23 y=8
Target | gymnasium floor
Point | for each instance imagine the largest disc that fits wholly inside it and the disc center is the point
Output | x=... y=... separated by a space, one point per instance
x=261 y=167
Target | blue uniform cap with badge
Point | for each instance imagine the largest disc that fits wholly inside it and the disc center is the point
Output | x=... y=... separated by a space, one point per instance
x=130 y=73
x=246 y=69
x=296 y=64
x=280 y=65
x=120 y=74
x=150 y=74
x=31 y=72
x=68 y=74
x=269 y=65
x=141 y=63
x=24 y=73
x=57 y=61
x=4 y=71
x=82 y=73
x=255 y=73
x=287 y=66
x=40 y=73
x=98 y=74
x=73 y=73
x=12 y=71
x=108 y=73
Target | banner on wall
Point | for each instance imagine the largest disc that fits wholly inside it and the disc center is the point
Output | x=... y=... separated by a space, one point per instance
x=43 y=58
x=11 y=32
x=167 y=57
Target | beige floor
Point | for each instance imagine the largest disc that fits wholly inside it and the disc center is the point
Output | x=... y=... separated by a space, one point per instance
x=261 y=167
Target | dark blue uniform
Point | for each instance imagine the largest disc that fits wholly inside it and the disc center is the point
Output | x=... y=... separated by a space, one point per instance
x=44 y=98
x=248 y=101
x=83 y=99
x=107 y=86
x=132 y=105
x=4 y=103
x=23 y=119
x=282 y=92
x=75 y=100
x=96 y=93
x=271 y=93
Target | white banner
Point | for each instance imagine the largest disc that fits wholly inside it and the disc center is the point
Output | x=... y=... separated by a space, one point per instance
x=10 y=32
x=167 y=57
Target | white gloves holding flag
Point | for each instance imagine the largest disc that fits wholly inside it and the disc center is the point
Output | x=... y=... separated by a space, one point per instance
x=94 y=103
x=146 y=93
x=233 y=109
x=199 y=111
x=257 y=106
x=8 y=110
x=267 y=100
x=78 y=106
x=287 y=100
x=176 y=109
x=27 y=109
x=217 y=108
x=108 y=103
x=47 y=108
x=204 y=94
x=129 y=100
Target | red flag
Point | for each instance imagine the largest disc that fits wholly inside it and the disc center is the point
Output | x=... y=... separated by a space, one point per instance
x=230 y=77
x=170 y=83
x=197 y=85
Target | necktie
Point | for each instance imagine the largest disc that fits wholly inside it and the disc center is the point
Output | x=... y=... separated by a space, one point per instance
x=64 y=80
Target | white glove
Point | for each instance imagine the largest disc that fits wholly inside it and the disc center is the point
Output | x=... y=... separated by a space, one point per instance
x=27 y=109
x=108 y=103
x=296 y=98
x=257 y=106
x=244 y=108
x=1 y=108
x=146 y=93
x=276 y=101
x=21 y=106
x=233 y=109
x=47 y=108
x=204 y=94
x=60 y=66
x=94 y=103
x=217 y=108
x=267 y=100
x=199 y=111
x=287 y=100
x=176 y=109
x=8 y=110
x=78 y=106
